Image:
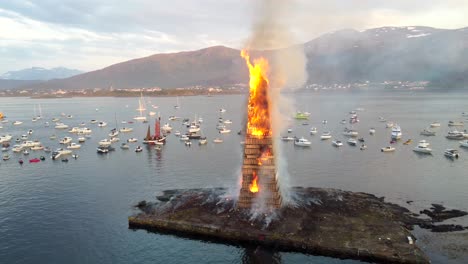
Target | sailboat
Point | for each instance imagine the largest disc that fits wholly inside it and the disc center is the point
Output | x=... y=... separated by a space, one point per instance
x=157 y=139
x=141 y=108
x=177 y=106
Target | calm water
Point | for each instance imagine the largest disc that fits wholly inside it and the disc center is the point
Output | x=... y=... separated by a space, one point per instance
x=76 y=212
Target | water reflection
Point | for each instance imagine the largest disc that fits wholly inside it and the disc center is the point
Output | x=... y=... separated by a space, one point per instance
x=260 y=255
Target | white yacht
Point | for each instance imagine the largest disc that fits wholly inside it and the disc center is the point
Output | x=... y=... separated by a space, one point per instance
x=389 y=125
x=30 y=144
x=81 y=139
x=302 y=142
x=455 y=134
x=451 y=153
x=55 y=119
x=423 y=147
x=102 y=124
x=287 y=138
x=227 y=121
x=105 y=143
x=427 y=132
x=325 y=135
x=113 y=133
x=217 y=140
x=224 y=131
x=455 y=123
x=38 y=147
x=126 y=129
x=74 y=146
x=114 y=139
x=464 y=143
x=184 y=137
x=222 y=110
x=396 y=132
x=74 y=130
x=166 y=128
x=372 y=131
x=132 y=140
x=177 y=133
x=435 y=124
x=202 y=141
x=17 y=123
x=387 y=149
x=61 y=126
x=65 y=140
x=313 y=131
x=337 y=143
x=350 y=132
x=352 y=142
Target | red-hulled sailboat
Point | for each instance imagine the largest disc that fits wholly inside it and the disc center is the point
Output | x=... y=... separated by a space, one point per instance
x=157 y=139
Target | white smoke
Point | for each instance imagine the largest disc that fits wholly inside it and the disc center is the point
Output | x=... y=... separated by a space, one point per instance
x=272 y=38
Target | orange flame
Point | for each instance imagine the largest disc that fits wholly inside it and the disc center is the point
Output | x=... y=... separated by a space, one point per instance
x=254 y=186
x=258 y=124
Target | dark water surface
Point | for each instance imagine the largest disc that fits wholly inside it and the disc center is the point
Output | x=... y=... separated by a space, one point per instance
x=76 y=212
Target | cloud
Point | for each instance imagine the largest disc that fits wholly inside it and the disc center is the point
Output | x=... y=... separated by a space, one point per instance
x=91 y=34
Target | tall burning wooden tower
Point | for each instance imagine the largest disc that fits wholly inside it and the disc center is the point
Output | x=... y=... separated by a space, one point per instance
x=259 y=179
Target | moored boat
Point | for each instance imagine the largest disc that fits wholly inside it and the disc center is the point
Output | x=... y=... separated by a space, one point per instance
x=451 y=153
x=387 y=149
x=302 y=142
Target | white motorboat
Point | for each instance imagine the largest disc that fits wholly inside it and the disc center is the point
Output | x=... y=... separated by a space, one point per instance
x=63 y=151
x=313 y=131
x=222 y=110
x=132 y=140
x=435 y=124
x=113 y=133
x=152 y=113
x=53 y=137
x=30 y=144
x=324 y=122
x=188 y=143
x=455 y=123
x=455 y=134
x=427 y=132
x=102 y=124
x=423 y=147
x=126 y=129
x=217 y=140
x=350 y=132
x=6 y=157
x=372 y=131
x=138 y=149
x=5 y=138
x=124 y=146
x=302 y=142
x=61 y=126
x=93 y=121
x=225 y=131
x=464 y=143
x=25 y=152
x=65 y=140
x=38 y=147
x=140 y=118
x=451 y=153
x=30 y=131
x=24 y=137
x=381 y=119
x=177 y=133
x=227 y=121
x=173 y=118
x=325 y=135
x=85 y=131
x=74 y=146
x=352 y=142
x=202 y=141
x=74 y=130
x=166 y=128
x=337 y=143
x=287 y=138
x=17 y=148
x=387 y=149
x=81 y=139
x=290 y=130
x=389 y=125
x=194 y=127
x=105 y=143
x=69 y=116
x=102 y=150
x=17 y=123
x=396 y=132
x=184 y=137
x=363 y=147
x=82 y=124
x=114 y=139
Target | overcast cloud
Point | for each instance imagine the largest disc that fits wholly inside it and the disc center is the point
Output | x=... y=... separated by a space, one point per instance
x=91 y=34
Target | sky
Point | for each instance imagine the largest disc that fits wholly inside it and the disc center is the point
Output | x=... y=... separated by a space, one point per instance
x=92 y=34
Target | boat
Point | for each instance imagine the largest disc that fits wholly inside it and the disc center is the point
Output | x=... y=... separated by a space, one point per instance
x=407 y=142
x=325 y=135
x=177 y=106
x=69 y=116
x=124 y=146
x=343 y=121
x=427 y=132
x=451 y=153
x=184 y=137
x=5 y=149
x=37 y=147
x=82 y=124
x=227 y=121
x=361 y=140
x=455 y=123
x=287 y=138
x=157 y=138
x=188 y=143
x=105 y=143
x=65 y=140
x=6 y=157
x=93 y=121
x=350 y=132
x=396 y=132
x=324 y=122
x=17 y=123
x=24 y=137
x=387 y=149
x=74 y=146
x=46 y=124
x=102 y=124
x=102 y=150
x=464 y=143
x=42 y=158
x=353 y=119
x=193 y=127
x=302 y=142
x=217 y=140
x=47 y=150
x=352 y=142
x=151 y=113
x=224 y=131
x=126 y=129
x=114 y=139
x=74 y=130
x=35 y=160
x=81 y=139
x=138 y=149
x=173 y=118
x=313 y=131
x=5 y=138
x=301 y=116
x=222 y=110
x=75 y=156
x=53 y=137
x=132 y=140
x=423 y=147
x=389 y=125
x=30 y=131
x=435 y=124
x=177 y=133
x=290 y=130
x=113 y=133
x=202 y=141
x=61 y=126
x=17 y=148
x=455 y=135
x=363 y=147
x=337 y=143
x=25 y=152
x=167 y=128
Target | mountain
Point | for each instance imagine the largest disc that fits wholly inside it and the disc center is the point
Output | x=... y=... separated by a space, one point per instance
x=12 y=84
x=379 y=54
x=37 y=73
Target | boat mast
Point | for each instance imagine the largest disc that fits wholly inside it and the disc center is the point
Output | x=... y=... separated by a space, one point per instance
x=148 y=134
x=157 y=128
